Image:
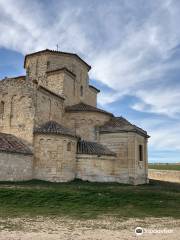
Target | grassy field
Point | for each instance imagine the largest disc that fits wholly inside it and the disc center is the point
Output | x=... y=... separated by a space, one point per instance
x=89 y=200
x=165 y=166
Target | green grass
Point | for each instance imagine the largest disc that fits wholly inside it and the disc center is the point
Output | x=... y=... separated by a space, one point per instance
x=89 y=200
x=165 y=166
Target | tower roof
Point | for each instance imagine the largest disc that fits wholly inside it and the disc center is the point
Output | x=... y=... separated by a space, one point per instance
x=11 y=144
x=57 y=53
x=93 y=148
x=83 y=107
x=53 y=127
x=120 y=124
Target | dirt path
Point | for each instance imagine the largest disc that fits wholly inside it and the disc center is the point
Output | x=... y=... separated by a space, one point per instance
x=102 y=229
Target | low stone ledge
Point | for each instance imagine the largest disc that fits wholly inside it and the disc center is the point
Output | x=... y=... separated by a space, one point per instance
x=164 y=175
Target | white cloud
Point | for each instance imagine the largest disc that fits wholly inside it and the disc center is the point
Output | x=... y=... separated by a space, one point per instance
x=164 y=133
x=142 y=56
x=166 y=138
x=24 y=27
x=108 y=98
x=164 y=100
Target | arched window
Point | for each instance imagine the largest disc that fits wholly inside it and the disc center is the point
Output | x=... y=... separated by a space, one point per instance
x=81 y=91
x=1 y=107
x=69 y=147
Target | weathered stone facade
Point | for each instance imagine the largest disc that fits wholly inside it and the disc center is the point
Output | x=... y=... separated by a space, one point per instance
x=54 y=157
x=164 y=175
x=95 y=168
x=52 y=111
x=16 y=159
x=15 y=167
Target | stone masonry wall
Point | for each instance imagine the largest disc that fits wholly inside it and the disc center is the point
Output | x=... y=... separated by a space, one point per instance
x=19 y=110
x=81 y=79
x=55 y=83
x=164 y=175
x=15 y=167
x=141 y=167
x=118 y=143
x=67 y=85
x=95 y=169
x=48 y=107
x=70 y=90
x=38 y=65
x=128 y=167
x=91 y=97
x=54 y=158
x=84 y=123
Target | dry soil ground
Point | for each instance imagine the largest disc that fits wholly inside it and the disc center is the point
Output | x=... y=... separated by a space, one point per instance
x=43 y=228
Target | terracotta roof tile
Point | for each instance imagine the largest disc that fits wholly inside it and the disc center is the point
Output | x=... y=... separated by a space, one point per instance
x=93 y=148
x=11 y=144
x=80 y=107
x=53 y=127
x=120 y=124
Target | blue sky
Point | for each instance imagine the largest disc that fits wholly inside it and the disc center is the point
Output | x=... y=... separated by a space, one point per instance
x=133 y=47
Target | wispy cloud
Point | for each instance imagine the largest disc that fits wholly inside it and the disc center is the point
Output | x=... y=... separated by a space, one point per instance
x=163 y=100
x=25 y=27
x=164 y=133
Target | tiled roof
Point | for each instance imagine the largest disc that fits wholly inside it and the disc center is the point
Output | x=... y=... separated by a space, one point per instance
x=11 y=144
x=120 y=124
x=53 y=127
x=93 y=148
x=82 y=107
x=56 y=52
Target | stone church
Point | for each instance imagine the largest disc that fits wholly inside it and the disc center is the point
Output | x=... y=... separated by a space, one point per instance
x=51 y=128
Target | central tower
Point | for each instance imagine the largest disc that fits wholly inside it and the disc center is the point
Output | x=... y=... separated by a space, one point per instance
x=63 y=73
